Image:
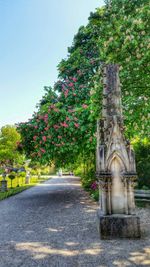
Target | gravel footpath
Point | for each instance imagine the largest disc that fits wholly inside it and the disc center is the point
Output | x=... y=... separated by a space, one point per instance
x=53 y=225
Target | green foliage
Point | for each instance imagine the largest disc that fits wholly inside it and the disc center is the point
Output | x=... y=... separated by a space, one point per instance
x=126 y=43
x=12 y=175
x=9 y=142
x=22 y=174
x=142 y=150
x=63 y=129
x=95 y=195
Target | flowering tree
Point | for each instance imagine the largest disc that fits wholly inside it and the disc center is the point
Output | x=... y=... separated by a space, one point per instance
x=63 y=129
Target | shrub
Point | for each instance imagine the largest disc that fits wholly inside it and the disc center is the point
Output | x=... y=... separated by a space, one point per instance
x=142 y=153
x=12 y=176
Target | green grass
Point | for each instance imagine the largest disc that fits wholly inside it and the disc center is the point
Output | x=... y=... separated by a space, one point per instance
x=19 y=187
x=13 y=191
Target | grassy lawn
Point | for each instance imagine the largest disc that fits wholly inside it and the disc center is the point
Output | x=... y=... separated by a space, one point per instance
x=18 y=185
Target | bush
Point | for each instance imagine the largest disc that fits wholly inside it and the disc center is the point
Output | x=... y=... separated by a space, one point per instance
x=12 y=176
x=95 y=195
x=87 y=179
x=142 y=154
x=13 y=191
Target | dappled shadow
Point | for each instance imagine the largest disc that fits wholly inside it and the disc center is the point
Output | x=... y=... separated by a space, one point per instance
x=56 y=227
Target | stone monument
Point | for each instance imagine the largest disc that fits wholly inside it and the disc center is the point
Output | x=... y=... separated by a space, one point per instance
x=3 y=183
x=27 y=179
x=115 y=166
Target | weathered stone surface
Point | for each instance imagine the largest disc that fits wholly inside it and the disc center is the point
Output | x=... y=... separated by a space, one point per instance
x=118 y=226
x=115 y=165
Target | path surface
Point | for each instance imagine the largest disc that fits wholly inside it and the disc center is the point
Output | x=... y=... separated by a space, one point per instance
x=53 y=225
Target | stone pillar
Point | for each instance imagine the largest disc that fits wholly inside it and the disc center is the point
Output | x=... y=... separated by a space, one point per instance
x=115 y=163
x=27 y=179
x=3 y=186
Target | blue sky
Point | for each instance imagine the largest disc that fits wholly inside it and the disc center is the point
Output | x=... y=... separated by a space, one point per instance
x=34 y=36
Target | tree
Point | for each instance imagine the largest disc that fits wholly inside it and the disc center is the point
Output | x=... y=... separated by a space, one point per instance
x=64 y=126
x=9 y=142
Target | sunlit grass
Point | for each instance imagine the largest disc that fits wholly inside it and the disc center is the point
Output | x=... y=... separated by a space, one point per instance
x=18 y=185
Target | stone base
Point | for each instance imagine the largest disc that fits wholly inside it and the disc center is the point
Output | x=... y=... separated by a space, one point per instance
x=118 y=226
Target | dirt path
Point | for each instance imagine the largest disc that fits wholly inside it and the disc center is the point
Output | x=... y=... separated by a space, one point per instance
x=53 y=225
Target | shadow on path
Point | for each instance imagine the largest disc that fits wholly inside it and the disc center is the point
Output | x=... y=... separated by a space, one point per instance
x=54 y=225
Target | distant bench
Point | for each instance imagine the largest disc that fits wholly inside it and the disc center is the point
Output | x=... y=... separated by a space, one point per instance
x=142 y=195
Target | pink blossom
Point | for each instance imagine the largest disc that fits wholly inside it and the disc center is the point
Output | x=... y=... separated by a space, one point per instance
x=84 y=106
x=44 y=138
x=94 y=185
x=59 y=136
x=66 y=93
x=64 y=124
x=70 y=84
x=42 y=150
x=35 y=127
x=74 y=79
x=56 y=126
x=67 y=119
x=58 y=144
x=76 y=125
x=74 y=94
x=52 y=106
x=46 y=128
x=34 y=137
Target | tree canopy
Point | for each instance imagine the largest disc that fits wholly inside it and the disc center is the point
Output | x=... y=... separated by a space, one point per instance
x=9 y=142
x=64 y=126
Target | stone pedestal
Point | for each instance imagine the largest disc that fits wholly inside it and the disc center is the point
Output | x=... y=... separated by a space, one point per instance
x=3 y=186
x=118 y=226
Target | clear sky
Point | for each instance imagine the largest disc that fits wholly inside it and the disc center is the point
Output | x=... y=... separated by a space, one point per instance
x=34 y=36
